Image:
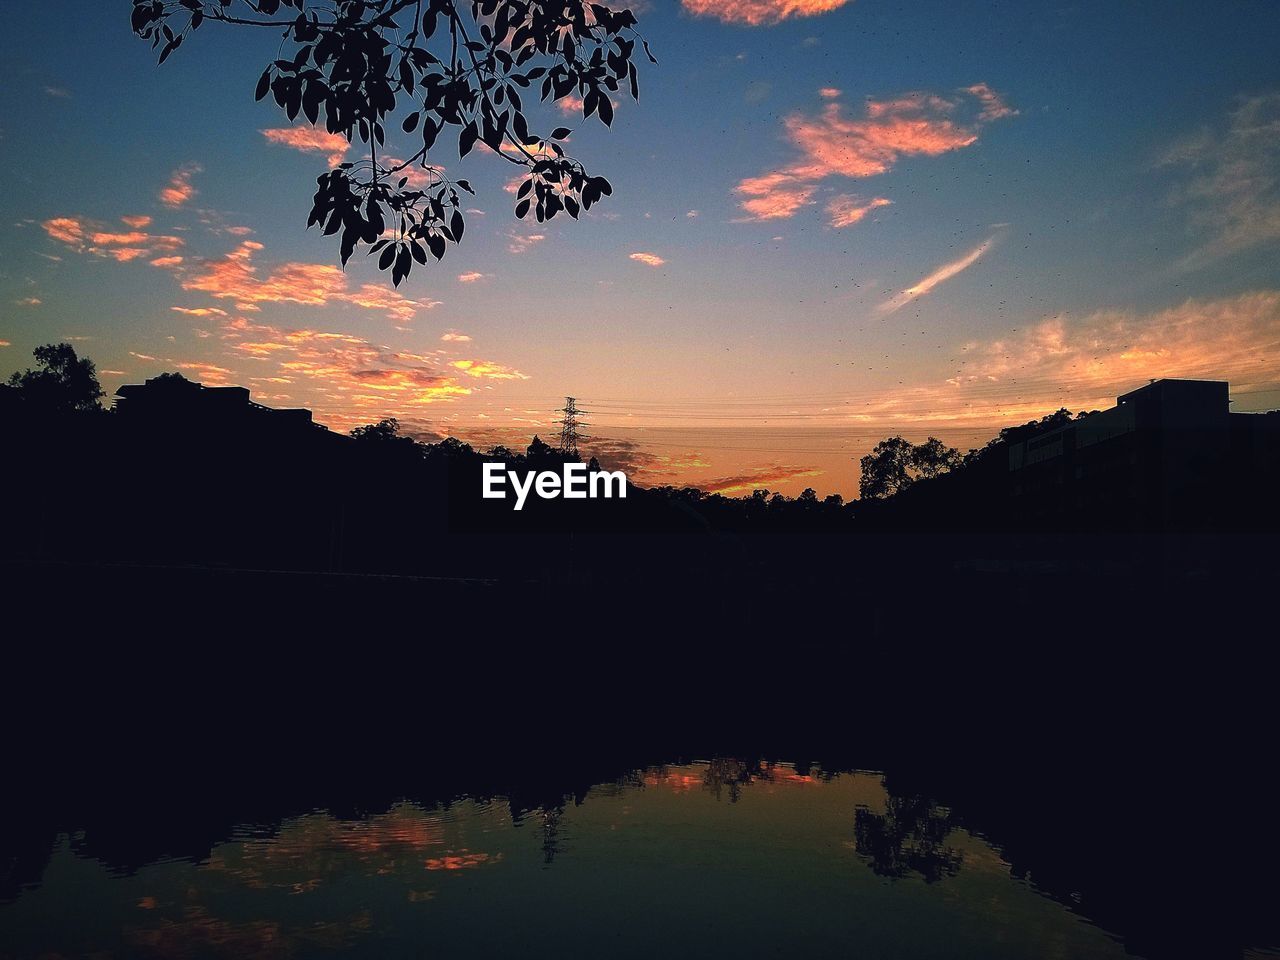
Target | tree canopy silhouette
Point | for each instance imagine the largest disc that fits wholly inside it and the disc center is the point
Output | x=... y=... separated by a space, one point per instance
x=448 y=65
x=64 y=382
x=896 y=463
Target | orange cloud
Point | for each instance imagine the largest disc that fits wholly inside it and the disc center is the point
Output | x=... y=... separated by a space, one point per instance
x=200 y=311
x=136 y=222
x=309 y=284
x=311 y=140
x=755 y=13
x=66 y=230
x=180 y=189
x=846 y=210
x=758 y=478
x=121 y=239
x=164 y=262
x=470 y=277
x=830 y=93
x=833 y=144
x=122 y=254
x=774 y=196
x=651 y=259
x=347 y=379
x=455 y=338
x=85 y=237
x=486 y=370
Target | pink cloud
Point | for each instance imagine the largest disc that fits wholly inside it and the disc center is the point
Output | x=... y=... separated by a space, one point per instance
x=993 y=105
x=651 y=259
x=835 y=144
x=755 y=13
x=311 y=140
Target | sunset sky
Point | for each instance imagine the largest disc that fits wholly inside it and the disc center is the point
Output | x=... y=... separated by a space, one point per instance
x=832 y=222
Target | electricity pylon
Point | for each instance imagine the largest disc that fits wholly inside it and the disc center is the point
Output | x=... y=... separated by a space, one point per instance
x=569 y=435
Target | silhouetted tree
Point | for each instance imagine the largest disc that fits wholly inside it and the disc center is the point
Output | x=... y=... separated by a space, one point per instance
x=934 y=458
x=894 y=464
x=885 y=469
x=353 y=64
x=382 y=431
x=63 y=383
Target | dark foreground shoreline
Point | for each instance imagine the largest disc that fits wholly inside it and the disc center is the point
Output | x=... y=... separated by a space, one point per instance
x=1112 y=731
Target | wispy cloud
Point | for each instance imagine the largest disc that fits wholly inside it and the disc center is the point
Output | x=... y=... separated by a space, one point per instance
x=235 y=277
x=311 y=140
x=180 y=188
x=940 y=275
x=835 y=144
x=755 y=13
x=86 y=236
x=1233 y=191
x=993 y=105
x=846 y=209
x=1084 y=362
x=521 y=242
x=452 y=337
x=471 y=276
x=650 y=259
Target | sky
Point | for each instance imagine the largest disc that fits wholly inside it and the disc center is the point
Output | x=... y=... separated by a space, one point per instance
x=833 y=221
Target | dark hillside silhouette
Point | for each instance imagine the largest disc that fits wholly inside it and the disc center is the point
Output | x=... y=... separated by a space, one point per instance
x=178 y=472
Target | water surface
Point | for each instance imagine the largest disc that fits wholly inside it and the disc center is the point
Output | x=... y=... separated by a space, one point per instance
x=715 y=858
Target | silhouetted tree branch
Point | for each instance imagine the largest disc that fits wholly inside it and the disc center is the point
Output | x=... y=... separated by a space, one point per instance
x=355 y=63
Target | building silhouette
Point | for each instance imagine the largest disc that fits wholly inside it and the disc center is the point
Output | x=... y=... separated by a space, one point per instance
x=1170 y=454
x=172 y=399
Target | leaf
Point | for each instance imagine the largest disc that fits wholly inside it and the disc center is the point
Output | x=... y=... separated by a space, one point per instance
x=467 y=139
x=456 y=225
x=264 y=84
x=559 y=133
x=410 y=123
x=522 y=208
